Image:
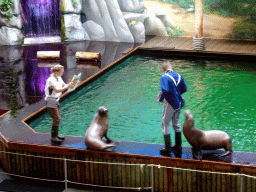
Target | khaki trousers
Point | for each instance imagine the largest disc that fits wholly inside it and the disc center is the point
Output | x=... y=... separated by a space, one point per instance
x=169 y=114
x=55 y=114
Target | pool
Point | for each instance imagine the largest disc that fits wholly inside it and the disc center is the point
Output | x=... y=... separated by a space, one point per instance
x=221 y=95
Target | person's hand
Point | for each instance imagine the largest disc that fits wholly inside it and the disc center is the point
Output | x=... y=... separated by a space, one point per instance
x=70 y=84
x=159 y=102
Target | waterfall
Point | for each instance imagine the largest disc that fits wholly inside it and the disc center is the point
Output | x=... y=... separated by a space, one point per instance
x=41 y=18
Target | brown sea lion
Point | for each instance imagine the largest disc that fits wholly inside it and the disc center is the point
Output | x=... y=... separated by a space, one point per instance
x=199 y=139
x=97 y=130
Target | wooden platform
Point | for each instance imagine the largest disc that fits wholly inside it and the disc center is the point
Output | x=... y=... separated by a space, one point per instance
x=185 y=44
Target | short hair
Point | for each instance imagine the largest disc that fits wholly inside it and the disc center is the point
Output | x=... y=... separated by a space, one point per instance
x=56 y=68
x=166 y=65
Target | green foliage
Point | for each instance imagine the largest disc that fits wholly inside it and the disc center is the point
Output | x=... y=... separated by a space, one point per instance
x=243 y=30
x=186 y=3
x=5 y=6
x=175 y=31
x=62 y=6
x=183 y=3
x=226 y=8
x=231 y=8
x=74 y=3
x=133 y=22
x=8 y=16
x=63 y=31
x=12 y=89
x=253 y=14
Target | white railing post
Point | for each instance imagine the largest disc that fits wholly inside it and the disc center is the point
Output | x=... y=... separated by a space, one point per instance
x=241 y=183
x=66 y=174
x=152 y=178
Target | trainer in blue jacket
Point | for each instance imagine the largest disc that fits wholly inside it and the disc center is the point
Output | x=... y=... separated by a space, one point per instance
x=172 y=86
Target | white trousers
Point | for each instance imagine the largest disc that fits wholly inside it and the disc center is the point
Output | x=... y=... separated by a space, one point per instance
x=170 y=114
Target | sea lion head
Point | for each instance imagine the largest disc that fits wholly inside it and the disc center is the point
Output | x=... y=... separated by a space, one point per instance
x=189 y=119
x=103 y=111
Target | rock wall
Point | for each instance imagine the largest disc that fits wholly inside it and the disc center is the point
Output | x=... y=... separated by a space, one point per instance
x=12 y=88
x=71 y=17
x=119 y=20
x=11 y=24
x=104 y=20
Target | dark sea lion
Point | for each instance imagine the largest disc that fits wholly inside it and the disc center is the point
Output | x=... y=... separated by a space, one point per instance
x=97 y=130
x=199 y=139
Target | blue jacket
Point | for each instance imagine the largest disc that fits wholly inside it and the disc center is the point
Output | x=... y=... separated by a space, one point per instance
x=170 y=92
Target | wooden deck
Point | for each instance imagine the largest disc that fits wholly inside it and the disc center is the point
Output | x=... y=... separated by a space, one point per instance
x=185 y=44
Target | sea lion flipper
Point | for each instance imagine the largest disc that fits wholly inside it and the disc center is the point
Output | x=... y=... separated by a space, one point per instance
x=197 y=153
x=226 y=154
x=110 y=148
x=108 y=139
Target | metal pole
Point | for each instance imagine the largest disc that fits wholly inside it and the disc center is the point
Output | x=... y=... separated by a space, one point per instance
x=198 y=19
x=198 y=40
x=241 y=183
x=152 y=178
x=66 y=174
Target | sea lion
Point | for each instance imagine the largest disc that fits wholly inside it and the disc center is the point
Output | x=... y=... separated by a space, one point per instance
x=199 y=139
x=97 y=130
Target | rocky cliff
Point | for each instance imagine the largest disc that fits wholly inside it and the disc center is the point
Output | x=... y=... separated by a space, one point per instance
x=104 y=20
x=10 y=22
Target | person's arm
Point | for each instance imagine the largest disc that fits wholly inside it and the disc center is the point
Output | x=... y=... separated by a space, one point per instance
x=183 y=87
x=65 y=87
x=161 y=98
x=165 y=88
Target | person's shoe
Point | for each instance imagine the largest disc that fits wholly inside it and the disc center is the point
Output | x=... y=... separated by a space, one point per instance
x=167 y=150
x=177 y=147
x=56 y=140
x=61 y=137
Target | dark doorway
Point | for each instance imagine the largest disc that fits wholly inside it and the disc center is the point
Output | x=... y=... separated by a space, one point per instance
x=41 y=18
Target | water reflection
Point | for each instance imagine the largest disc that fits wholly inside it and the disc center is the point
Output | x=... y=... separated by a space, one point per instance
x=23 y=76
x=35 y=80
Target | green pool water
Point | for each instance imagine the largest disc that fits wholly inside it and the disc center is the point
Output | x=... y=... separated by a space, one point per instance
x=221 y=95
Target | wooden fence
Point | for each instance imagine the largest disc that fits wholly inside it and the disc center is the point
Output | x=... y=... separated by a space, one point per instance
x=122 y=174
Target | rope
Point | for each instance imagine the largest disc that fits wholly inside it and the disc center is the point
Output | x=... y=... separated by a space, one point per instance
x=113 y=187
x=109 y=163
x=213 y=172
x=31 y=155
x=10 y=174
x=81 y=161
